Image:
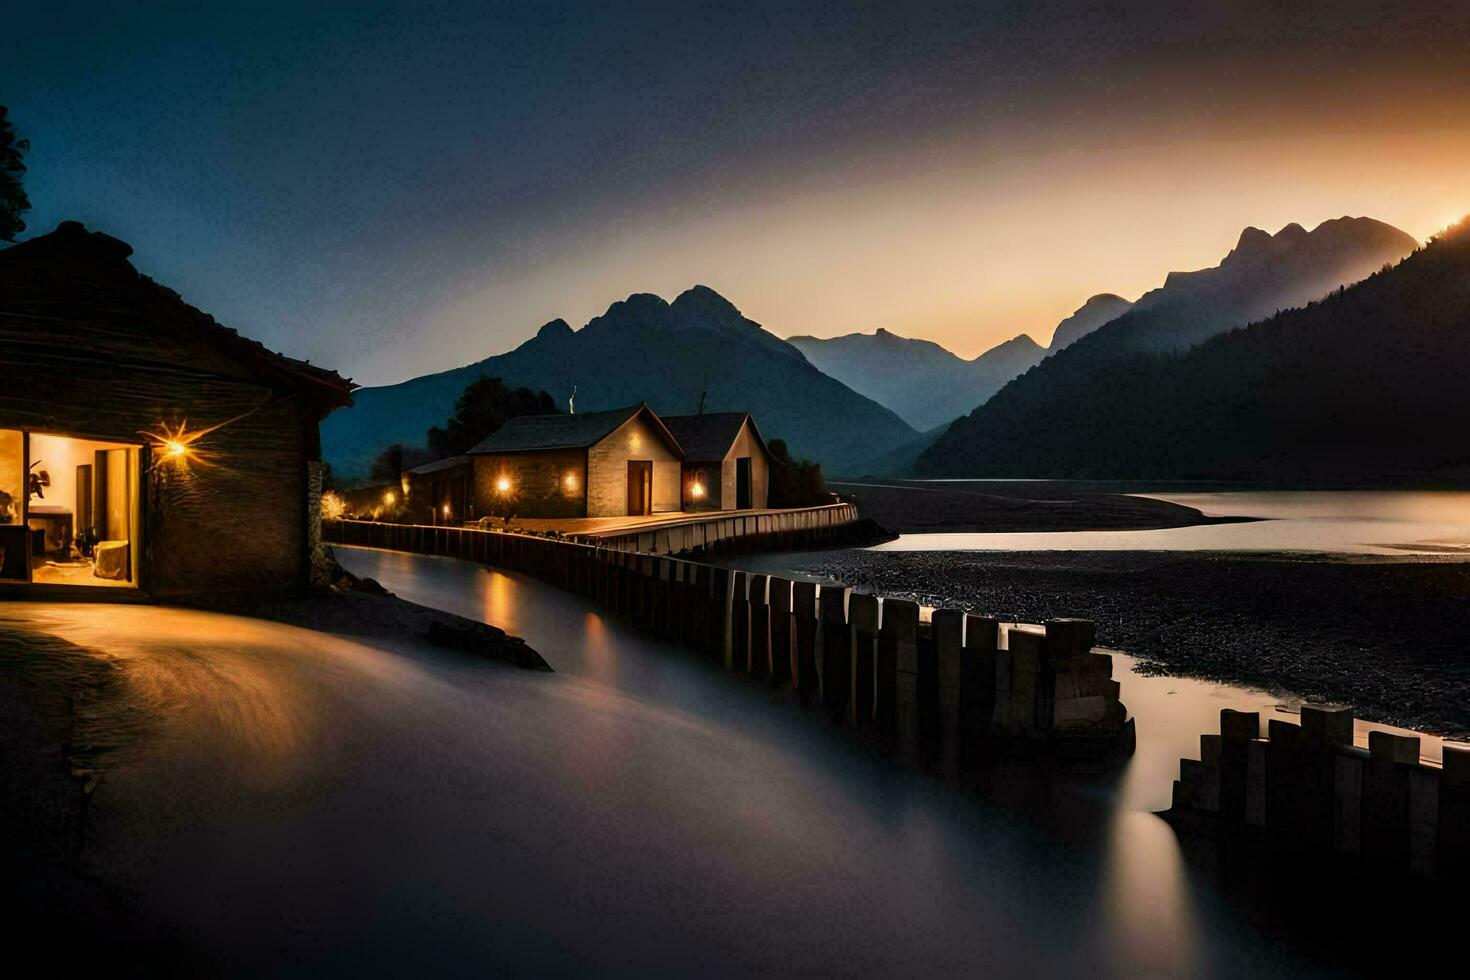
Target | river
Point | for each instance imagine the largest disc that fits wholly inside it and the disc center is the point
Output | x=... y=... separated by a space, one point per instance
x=712 y=827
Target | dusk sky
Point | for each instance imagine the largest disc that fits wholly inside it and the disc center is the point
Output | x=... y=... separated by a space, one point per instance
x=391 y=190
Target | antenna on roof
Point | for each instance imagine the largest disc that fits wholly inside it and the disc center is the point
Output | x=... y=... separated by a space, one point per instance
x=572 y=401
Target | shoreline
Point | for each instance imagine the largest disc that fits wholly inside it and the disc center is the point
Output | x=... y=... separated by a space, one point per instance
x=1009 y=506
x=1383 y=633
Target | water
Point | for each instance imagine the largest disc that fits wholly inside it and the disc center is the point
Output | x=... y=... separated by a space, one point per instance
x=1424 y=523
x=688 y=821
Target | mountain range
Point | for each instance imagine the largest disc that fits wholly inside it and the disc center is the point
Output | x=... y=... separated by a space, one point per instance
x=698 y=351
x=923 y=382
x=928 y=385
x=1148 y=394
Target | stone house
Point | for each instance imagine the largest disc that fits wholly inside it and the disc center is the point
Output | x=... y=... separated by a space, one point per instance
x=145 y=449
x=594 y=464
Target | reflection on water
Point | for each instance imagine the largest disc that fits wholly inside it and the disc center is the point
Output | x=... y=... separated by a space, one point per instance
x=734 y=834
x=1348 y=522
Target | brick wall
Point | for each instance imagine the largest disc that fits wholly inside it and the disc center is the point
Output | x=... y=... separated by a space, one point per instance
x=543 y=484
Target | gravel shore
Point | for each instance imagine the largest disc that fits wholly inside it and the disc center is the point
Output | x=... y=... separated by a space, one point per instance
x=907 y=506
x=1388 y=636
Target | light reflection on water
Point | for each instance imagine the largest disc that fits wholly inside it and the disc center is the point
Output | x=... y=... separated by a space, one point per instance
x=835 y=857
x=1348 y=522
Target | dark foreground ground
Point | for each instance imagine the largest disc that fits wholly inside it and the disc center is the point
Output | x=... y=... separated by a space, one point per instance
x=907 y=506
x=1391 y=637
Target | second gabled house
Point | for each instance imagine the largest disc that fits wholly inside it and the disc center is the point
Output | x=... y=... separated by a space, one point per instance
x=726 y=463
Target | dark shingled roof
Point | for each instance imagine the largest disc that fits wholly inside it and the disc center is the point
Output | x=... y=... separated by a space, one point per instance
x=85 y=276
x=438 y=465
x=529 y=433
x=708 y=437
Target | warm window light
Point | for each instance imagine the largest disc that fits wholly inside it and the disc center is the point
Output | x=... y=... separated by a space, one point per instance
x=570 y=481
x=502 y=485
x=389 y=498
x=446 y=510
x=697 y=490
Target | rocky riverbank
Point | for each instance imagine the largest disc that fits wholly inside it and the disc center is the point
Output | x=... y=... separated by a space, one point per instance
x=905 y=506
x=1385 y=635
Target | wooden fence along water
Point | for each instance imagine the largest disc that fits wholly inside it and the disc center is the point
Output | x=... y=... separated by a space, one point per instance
x=829 y=525
x=1308 y=785
x=949 y=692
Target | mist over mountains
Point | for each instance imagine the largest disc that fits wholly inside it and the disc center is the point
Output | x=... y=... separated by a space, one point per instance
x=923 y=382
x=697 y=349
x=928 y=385
x=1174 y=388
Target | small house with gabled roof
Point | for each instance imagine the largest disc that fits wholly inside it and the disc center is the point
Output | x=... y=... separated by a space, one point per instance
x=146 y=449
x=619 y=462
x=726 y=463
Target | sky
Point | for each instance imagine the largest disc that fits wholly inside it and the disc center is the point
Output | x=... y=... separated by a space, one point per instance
x=395 y=189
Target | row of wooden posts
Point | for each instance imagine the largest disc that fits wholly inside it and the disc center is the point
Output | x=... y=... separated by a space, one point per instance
x=945 y=690
x=1309 y=786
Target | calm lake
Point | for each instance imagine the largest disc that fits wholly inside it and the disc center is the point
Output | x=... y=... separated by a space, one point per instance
x=1366 y=522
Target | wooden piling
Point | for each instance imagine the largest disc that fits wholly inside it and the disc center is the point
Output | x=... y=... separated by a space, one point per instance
x=806 y=678
x=949 y=640
x=783 y=631
x=759 y=662
x=862 y=617
x=738 y=656
x=836 y=649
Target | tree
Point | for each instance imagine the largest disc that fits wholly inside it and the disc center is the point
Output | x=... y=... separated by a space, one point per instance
x=485 y=405
x=795 y=482
x=13 y=200
x=388 y=467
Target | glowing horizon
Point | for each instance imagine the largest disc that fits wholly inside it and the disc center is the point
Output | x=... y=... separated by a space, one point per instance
x=392 y=194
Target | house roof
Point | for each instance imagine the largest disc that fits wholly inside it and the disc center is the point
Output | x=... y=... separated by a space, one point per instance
x=438 y=465
x=78 y=275
x=709 y=437
x=532 y=433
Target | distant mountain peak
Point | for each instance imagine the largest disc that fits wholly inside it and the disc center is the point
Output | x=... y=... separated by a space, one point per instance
x=704 y=300
x=1252 y=239
x=1020 y=342
x=1098 y=310
x=554 y=329
x=676 y=356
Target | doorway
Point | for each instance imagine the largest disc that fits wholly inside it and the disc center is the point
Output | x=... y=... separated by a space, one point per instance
x=640 y=486
x=69 y=510
x=742 y=483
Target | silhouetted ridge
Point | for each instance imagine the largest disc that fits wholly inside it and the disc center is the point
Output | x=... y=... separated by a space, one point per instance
x=1098 y=310
x=1365 y=386
x=672 y=355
